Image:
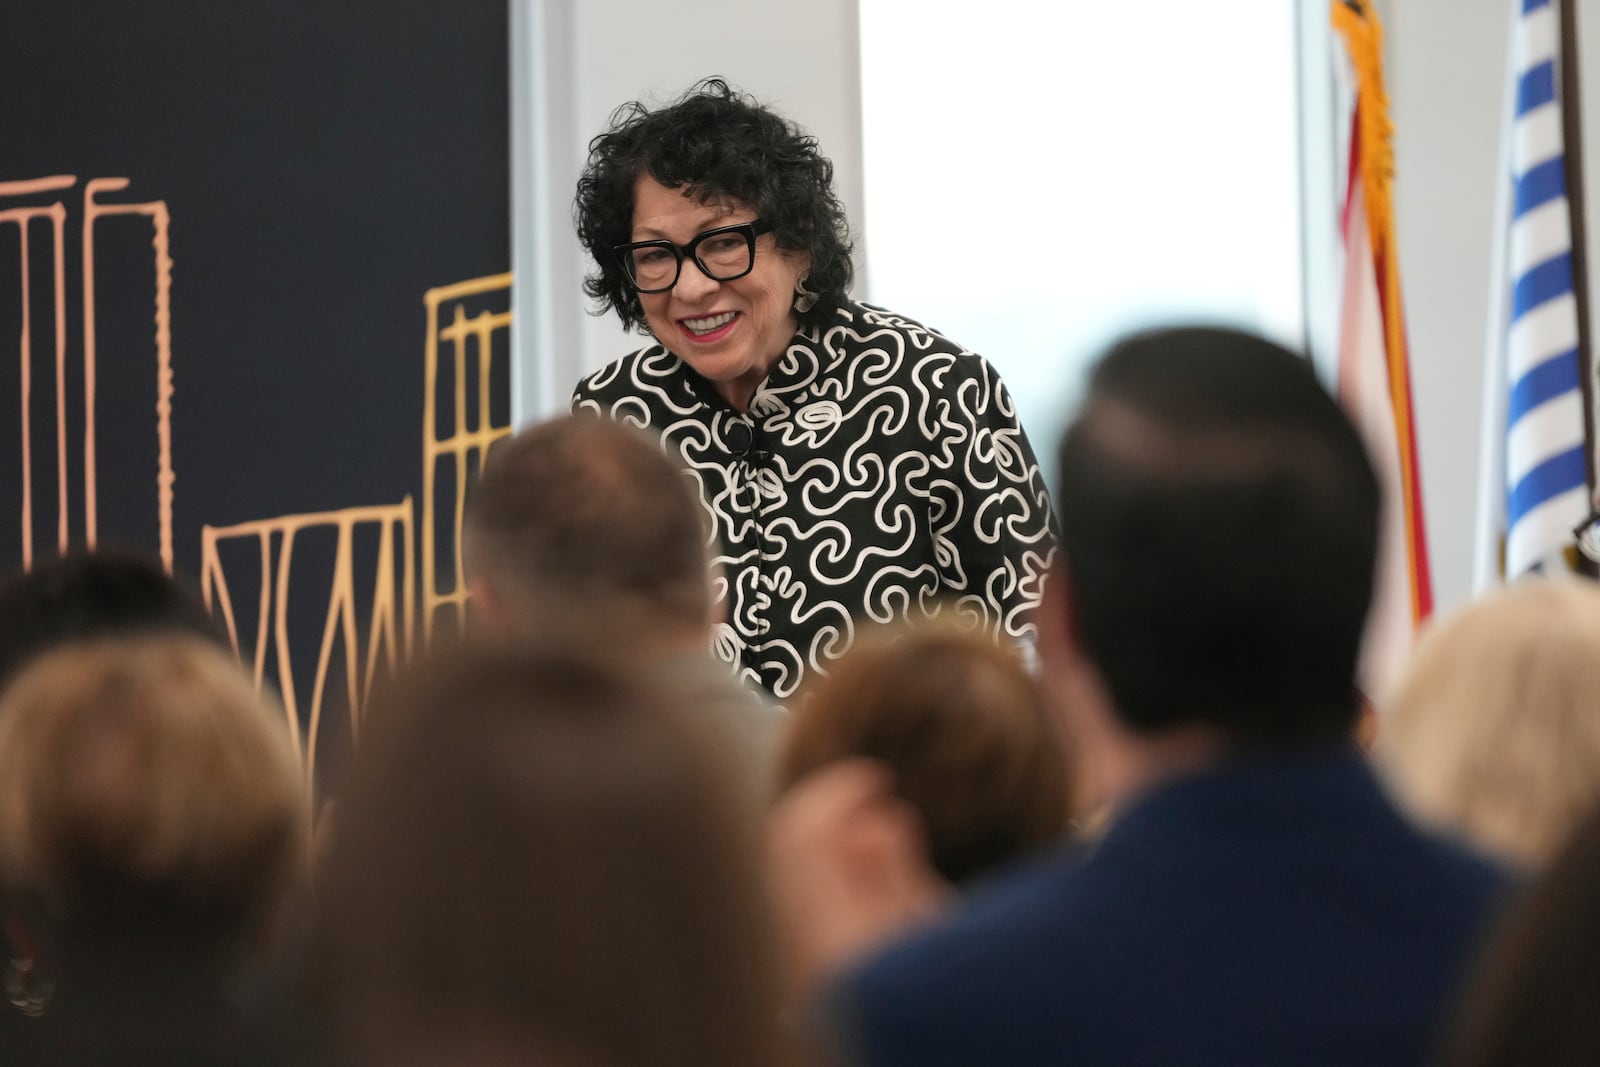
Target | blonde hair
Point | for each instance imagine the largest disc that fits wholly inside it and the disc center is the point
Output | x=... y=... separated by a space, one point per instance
x=146 y=792
x=1494 y=729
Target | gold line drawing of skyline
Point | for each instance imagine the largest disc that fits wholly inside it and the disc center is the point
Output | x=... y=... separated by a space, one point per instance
x=57 y=214
x=400 y=588
x=272 y=614
x=468 y=343
x=465 y=444
x=156 y=210
x=93 y=210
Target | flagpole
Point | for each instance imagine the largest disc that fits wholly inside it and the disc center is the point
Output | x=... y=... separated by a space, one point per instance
x=1572 y=134
x=1489 y=552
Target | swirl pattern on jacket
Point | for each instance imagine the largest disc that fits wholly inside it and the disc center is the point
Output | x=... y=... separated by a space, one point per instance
x=880 y=472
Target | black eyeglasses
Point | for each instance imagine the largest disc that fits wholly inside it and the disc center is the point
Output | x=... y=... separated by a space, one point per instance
x=722 y=254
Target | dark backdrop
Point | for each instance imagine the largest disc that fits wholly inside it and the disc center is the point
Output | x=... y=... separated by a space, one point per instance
x=324 y=163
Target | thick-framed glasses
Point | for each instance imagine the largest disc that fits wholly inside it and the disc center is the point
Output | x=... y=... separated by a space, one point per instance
x=722 y=254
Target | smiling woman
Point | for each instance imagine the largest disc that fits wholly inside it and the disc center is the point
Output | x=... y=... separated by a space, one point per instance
x=855 y=464
x=730 y=315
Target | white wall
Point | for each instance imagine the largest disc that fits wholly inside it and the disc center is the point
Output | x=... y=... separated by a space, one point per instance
x=1446 y=66
x=1046 y=201
x=579 y=59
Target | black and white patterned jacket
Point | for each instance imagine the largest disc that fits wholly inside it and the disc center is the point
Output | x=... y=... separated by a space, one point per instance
x=880 y=472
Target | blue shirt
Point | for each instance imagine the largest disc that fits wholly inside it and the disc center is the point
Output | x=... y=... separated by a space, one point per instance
x=1269 y=911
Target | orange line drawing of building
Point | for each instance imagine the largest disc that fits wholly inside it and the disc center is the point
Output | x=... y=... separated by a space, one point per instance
x=465 y=341
x=22 y=216
x=468 y=343
x=93 y=210
x=156 y=211
x=388 y=642
x=467 y=444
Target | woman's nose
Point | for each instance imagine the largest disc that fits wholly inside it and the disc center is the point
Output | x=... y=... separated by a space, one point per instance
x=693 y=283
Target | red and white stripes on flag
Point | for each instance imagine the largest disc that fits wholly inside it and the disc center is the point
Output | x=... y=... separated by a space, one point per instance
x=1374 y=372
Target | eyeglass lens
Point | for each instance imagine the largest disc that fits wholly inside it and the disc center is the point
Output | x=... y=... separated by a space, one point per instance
x=722 y=256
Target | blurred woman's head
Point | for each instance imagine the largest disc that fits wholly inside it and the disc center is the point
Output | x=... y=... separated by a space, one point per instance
x=542 y=856
x=963 y=729
x=1494 y=729
x=87 y=594
x=152 y=812
x=1531 y=999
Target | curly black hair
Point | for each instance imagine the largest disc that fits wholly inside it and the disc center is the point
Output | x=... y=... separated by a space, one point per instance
x=713 y=142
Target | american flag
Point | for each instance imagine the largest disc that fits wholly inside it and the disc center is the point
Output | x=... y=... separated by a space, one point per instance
x=1545 y=475
x=1374 y=372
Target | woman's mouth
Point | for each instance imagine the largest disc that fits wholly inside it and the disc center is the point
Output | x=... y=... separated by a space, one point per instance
x=709 y=328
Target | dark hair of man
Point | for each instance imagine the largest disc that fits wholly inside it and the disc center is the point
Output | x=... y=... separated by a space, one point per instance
x=552 y=851
x=1219 y=521
x=583 y=515
x=715 y=144
x=87 y=594
x=1532 y=998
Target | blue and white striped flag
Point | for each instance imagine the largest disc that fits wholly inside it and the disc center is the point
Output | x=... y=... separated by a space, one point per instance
x=1545 y=468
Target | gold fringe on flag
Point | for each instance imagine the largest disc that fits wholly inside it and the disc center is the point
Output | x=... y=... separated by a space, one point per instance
x=1358 y=24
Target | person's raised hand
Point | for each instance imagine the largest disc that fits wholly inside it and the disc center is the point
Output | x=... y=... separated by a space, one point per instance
x=848 y=869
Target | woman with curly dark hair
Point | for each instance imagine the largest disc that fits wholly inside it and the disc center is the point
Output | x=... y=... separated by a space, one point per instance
x=854 y=463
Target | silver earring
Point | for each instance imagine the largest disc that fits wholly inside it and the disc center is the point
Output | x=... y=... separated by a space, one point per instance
x=804 y=299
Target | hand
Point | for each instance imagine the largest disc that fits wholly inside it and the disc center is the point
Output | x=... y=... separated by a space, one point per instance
x=847 y=868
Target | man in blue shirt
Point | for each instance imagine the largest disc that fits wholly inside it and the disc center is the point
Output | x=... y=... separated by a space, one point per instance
x=1256 y=898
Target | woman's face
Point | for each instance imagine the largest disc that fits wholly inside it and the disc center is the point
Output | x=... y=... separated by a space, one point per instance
x=730 y=332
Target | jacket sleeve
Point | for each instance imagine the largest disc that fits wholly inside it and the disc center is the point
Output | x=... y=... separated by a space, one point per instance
x=994 y=533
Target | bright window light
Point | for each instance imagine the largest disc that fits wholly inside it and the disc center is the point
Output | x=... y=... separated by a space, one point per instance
x=1041 y=177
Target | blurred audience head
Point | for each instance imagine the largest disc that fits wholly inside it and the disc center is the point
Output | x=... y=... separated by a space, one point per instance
x=1493 y=731
x=1219 y=521
x=87 y=594
x=582 y=523
x=152 y=817
x=923 y=761
x=962 y=728
x=546 y=860
x=1532 y=998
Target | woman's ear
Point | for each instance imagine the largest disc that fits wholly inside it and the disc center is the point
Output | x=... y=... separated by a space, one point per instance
x=1073 y=688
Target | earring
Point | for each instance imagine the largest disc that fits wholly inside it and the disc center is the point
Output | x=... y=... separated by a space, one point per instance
x=29 y=995
x=804 y=299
